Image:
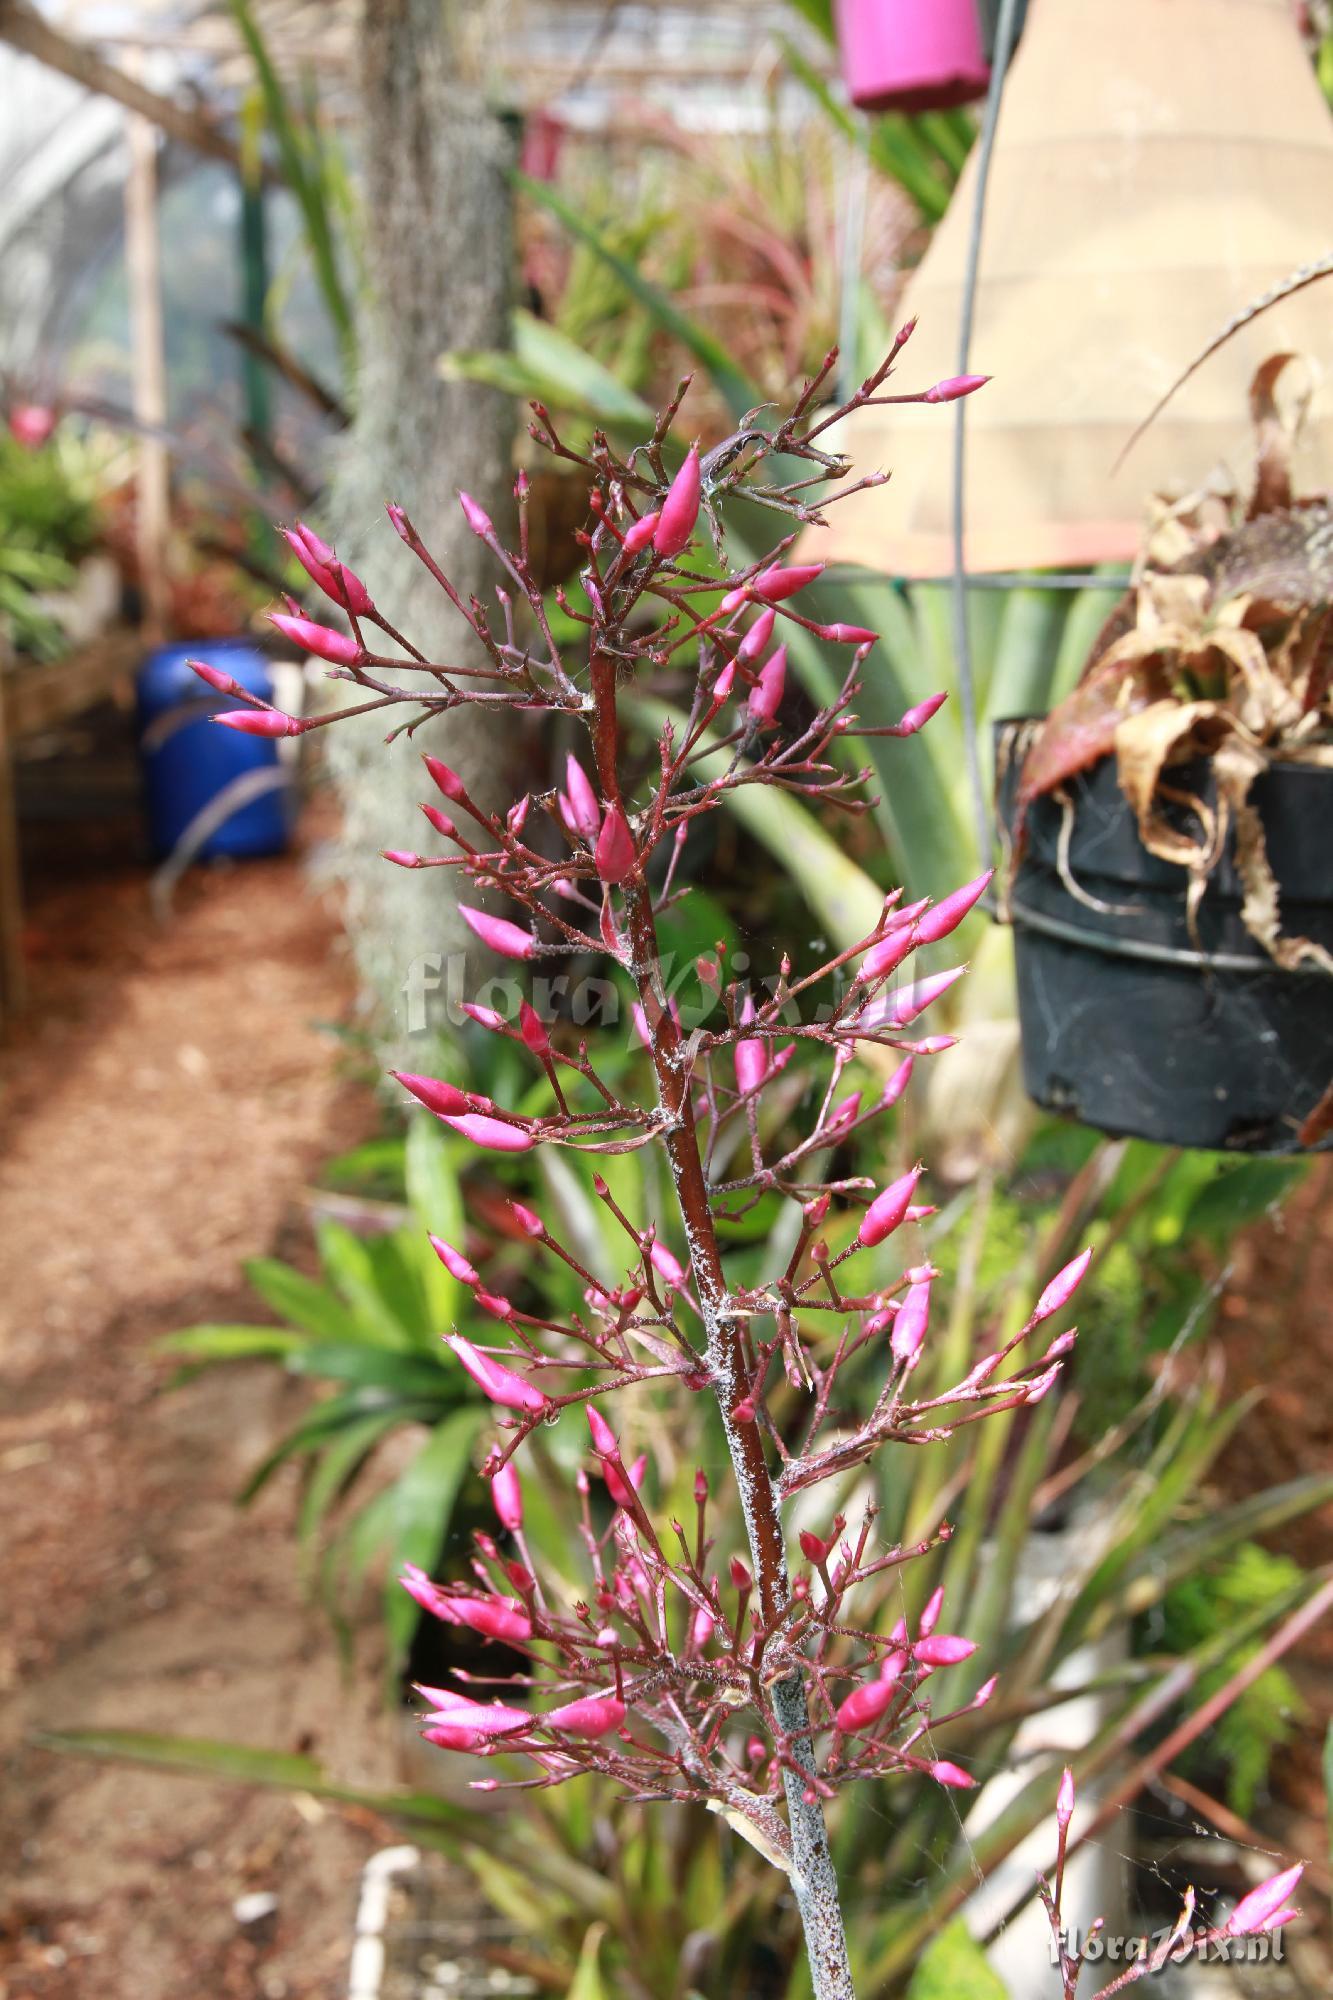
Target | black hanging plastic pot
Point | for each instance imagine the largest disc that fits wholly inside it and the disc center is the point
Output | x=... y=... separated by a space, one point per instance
x=1130 y=1023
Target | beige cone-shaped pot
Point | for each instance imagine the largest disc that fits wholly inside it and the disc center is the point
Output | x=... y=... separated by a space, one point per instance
x=1158 y=164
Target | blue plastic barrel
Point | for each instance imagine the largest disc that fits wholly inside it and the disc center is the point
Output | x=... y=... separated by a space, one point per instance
x=211 y=790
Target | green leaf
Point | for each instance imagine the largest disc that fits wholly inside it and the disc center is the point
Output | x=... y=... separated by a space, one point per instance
x=324 y=1420
x=351 y=1263
x=304 y=171
x=379 y=1367
x=195 y=1756
x=247 y=1764
x=300 y=1299
x=819 y=13
x=894 y=145
x=547 y=365
x=954 y=1967
x=435 y=1200
x=588 y=1983
x=337 y=1465
x=230 y=1343
x=378 y=1162
x=423 y=1501
x=738 y=391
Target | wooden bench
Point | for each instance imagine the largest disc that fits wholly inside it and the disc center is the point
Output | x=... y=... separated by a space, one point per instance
x=34 y=698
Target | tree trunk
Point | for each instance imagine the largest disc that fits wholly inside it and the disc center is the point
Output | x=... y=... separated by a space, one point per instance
x=439 y=258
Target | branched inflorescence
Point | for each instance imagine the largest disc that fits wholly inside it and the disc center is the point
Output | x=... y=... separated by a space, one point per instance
x=684 y=1671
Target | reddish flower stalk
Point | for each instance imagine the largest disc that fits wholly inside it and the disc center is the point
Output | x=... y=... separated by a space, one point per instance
x=1265 y=1909
x=686 y=1672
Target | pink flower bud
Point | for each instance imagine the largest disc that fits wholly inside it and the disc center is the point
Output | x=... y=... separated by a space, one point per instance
x=493 y=1617
x=454 y=1262
x=507 y=1497
x=947 y=916
x=31 y=424
x=893 y=1666
x=813 y=1547
x=1042 y=1385
x=917 y=717
x=778 y=582
x=401 y=857
x=896 y=919
x=722 y=686
x=700 y=1486
x=945 y=1773
x=259 y=722
x=585 y=815
x=930 y=1617
x=943 y=1649
x=863 y=1707
x=498 y=934
x=846 y=635
x=640 y=533
x=531 y=1224
x=595 y=1715
x=666 y=1263
x=740 y=1575
x=614 y=854
x=492 y=1133
x=322 y=640
x=905 y=1005
x=766 y=696
x=477 y=518
x=1064 y=1798
x=532 y=1029
x=495 y=1304
x=432 y=1091
x=758 y=636
x=214 y=676
x=517 y=816
x=751 y=1056
x=440 y=821
x=448 y=781
x=897 y=1084
x=888 y=954
x=680 y=509
x=843 y=1114
x=1061 y=1288
x=910 y=1323
x=622 y=1489
x=485 y=1017
x=501 y=1384
x=321 y=564
x=460 y=1724
x=1266 y=1904
x=603 y=1437
x=887 y=1210
x=954 y=386
x=701 y=1628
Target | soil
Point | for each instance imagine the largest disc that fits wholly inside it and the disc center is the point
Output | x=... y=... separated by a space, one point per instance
x=165 y=1099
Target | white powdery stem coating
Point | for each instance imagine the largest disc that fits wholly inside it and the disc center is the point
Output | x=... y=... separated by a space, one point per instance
x=813 y=1876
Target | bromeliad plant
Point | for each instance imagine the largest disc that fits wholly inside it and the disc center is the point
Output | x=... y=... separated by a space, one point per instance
x=689 y=1670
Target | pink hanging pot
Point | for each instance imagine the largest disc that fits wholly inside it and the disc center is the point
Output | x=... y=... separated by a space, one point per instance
x=911 y=55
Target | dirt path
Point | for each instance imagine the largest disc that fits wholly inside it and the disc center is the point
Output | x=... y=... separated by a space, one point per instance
x=167 y=1098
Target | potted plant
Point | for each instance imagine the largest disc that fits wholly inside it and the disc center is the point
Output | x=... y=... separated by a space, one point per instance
x=1168 y=882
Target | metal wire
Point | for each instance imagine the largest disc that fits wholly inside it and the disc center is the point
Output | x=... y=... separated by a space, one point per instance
x=1004 y=42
